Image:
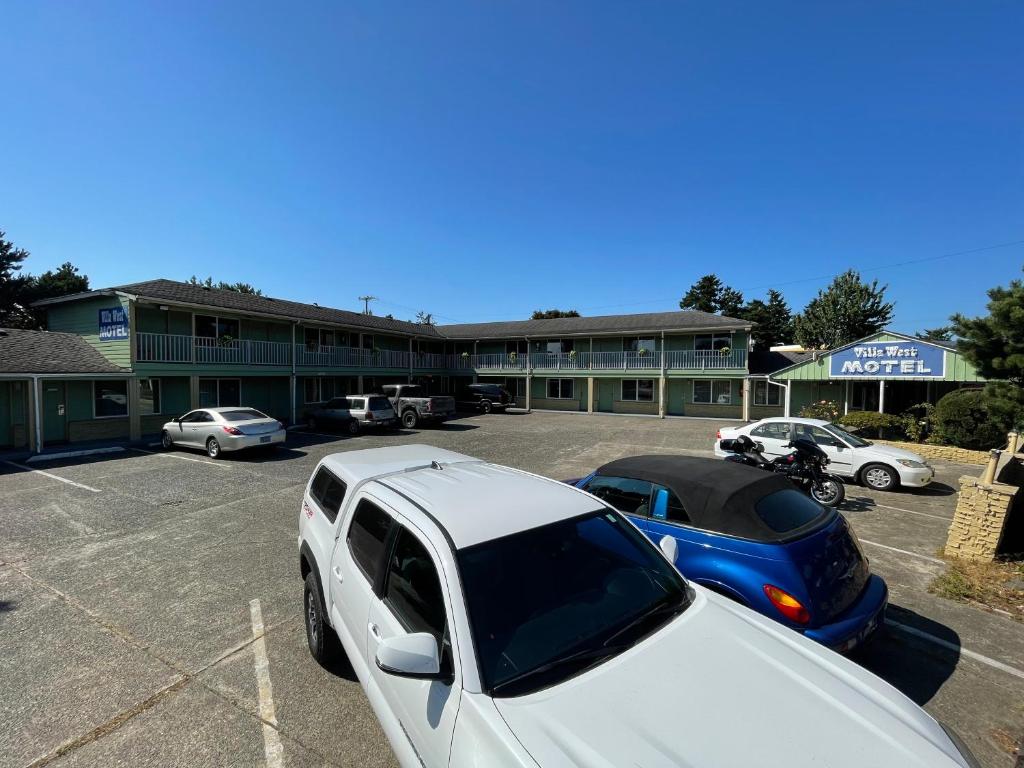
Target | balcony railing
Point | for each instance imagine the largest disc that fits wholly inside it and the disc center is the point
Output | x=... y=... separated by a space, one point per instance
x=168 y=348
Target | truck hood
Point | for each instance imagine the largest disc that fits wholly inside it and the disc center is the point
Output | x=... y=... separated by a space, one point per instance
x=890 y=452
x=722 y=686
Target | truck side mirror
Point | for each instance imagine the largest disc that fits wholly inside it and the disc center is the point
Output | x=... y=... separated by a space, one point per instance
x=414 y=656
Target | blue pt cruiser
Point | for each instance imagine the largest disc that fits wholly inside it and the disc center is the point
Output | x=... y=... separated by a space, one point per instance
x=752 y=536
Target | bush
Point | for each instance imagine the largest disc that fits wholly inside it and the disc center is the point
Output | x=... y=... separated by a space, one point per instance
x=919 y=421
x=963 y=419
x=873 y=424
x=828 y=410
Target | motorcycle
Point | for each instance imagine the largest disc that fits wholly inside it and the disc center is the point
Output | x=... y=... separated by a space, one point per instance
x=805 y=466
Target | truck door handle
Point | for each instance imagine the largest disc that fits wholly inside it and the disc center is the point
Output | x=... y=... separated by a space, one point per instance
x=374 y=630
x=337 y=573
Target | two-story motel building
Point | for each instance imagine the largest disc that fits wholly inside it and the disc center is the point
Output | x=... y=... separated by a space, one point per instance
x=126 y=359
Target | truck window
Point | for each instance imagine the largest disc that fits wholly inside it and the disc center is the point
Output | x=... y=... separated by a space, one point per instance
x=366 y=537
x=328 y=492
x=413 y=590
x=413 y=391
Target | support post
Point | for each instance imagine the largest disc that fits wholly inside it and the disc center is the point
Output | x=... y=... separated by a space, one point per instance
x=34 y=427
x=746 y=399
x=134 y=410
x=529 y=387
x=662 y=383
x=193 y=388
x=786 y=410
x=590 y=394
x=881 y=397
x=292 y=381
x=846 y=397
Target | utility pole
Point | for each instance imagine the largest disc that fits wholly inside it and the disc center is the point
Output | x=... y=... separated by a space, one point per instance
x=366 y=303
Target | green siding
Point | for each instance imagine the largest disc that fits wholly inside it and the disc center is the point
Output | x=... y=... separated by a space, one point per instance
x=153 y=320
x=175 y=395
x=6 y=414
x=268 y=394
x=82 y=318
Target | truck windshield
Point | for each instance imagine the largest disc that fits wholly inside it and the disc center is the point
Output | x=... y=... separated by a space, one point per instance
x=547 y=603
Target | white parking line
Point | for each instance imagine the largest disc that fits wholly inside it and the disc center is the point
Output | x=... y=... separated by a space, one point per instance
x=272 y=747
x=182 y=458
x=52 y=477
x=914 y=512
x=903 y=551
x=954 y=647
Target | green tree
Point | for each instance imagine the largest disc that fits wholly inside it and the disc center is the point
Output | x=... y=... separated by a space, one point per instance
x=773 y=320
x=63 y=281
x=238 y=287
x=994 y=344
x=942 y=333
x=550 y=314
x=13 y=311
x=847 y=310
x=711 y=295
x=424 y=318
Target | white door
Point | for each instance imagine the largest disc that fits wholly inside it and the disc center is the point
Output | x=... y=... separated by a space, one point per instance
x=414 y=599
x=355 y=567
x=840 y=455
x=320 y=506
x=773 y=435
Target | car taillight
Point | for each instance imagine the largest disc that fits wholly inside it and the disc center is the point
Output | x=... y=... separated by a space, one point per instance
x=718 y=435
x=369 y=416
x=788 y=605
x=232 y=430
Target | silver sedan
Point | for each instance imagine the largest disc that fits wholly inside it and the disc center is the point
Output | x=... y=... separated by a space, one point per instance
x=223 y=429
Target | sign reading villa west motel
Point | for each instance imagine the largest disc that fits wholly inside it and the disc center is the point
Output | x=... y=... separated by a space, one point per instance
x=113 y=324
x=888 y=359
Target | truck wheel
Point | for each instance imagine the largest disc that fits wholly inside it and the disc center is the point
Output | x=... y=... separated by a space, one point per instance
x=486 y=406
x=212 y=448
x=166 y=441
x=880 y=477
x=321 y=647
x=410 y=419
x=352 y=427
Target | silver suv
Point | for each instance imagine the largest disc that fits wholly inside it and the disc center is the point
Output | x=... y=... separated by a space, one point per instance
x=352 y=413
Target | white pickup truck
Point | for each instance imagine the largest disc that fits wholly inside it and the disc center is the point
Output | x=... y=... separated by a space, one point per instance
x=498 y=618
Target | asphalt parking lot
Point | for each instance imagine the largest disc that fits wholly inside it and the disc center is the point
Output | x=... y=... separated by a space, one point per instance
x=133 y=586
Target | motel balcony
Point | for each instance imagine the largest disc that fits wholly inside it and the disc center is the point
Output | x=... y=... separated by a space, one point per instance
x=201 y=350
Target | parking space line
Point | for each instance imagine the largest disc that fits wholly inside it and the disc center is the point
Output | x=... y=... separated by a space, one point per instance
x=182 y=458
x=954 y=647
x=904 y=552
x=52 y=477
x=272 y=747
x=914 y=512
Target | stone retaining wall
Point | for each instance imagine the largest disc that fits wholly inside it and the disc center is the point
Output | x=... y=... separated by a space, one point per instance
x=941 y=452
x=979 y=520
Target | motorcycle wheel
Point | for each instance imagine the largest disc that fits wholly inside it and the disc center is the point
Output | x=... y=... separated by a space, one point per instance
x=829 y=492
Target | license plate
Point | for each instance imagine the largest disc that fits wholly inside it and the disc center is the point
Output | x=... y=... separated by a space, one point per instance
x=265 y=439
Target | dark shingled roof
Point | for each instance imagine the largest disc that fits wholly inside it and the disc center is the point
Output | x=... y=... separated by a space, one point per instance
x=50 y=352
x=216 y=298
x=770 y=362
x=684 y=320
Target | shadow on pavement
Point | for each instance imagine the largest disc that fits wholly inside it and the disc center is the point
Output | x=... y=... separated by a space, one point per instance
x=932 y=489
x=915 y=666
x=339 y=665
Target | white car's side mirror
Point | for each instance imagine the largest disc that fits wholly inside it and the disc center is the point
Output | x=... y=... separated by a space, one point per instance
x=668 y=545
x=412 y=655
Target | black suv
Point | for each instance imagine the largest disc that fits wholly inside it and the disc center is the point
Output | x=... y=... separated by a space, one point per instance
x=485 y=398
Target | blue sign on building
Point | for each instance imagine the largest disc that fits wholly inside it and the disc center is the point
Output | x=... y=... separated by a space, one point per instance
x=113 y=324
x=888 y=359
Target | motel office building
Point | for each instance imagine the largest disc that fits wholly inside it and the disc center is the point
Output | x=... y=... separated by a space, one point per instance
x=118 y=363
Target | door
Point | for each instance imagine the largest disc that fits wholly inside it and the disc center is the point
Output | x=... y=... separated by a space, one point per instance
x=840 y=455
x=605 y=395
x=413 y=600
x=55 y=420
x=773 y=435
x=356 y=566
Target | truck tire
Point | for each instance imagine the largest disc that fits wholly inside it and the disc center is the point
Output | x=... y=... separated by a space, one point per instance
x=486 y=406
x=322 y=647
x=352 y=427
x=410 y=418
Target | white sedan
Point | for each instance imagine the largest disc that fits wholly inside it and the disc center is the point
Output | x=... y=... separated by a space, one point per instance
x=497 y=618
x=216 y=430
x=882 y=467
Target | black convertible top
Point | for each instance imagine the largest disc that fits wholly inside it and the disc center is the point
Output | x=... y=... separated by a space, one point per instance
x=717 y=495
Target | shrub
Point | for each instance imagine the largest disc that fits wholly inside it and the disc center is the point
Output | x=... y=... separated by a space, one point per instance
x=824 y=409
x=919 y=421
x=873 y=423
x=962 y=418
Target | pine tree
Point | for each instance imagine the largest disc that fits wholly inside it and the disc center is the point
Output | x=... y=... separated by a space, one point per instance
x=849 y=309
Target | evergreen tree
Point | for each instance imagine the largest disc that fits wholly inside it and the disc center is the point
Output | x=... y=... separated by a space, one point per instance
x=549 y=314
x=13 y=311
x=773 y=321
x=711 y=295
x=62 y=282
x=847 y=310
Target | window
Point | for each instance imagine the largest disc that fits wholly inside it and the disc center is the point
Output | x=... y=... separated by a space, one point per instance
x=640 y=390
x=110 y=398
x=367 y=341
x=556 y=346
x=709 y=342
x=211 y=327
x=243 y=414
x=560 y=389
x=322 y=337
x=366 y=537
x=216 y=393
x=380 y=404
x=149 y=396
x=328 y=492
x=413 y=590
x=636 y=344
x=774 y=430
x=766 y=394
x=668 y=506
x=787 y=510
x=318 y=389
x=717 y=391
x=816 y=435
x=623 y=493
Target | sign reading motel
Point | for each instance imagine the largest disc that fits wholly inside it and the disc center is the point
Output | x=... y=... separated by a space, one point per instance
x=888 y=359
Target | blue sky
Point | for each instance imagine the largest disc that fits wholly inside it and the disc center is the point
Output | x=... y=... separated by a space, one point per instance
x=480 y=160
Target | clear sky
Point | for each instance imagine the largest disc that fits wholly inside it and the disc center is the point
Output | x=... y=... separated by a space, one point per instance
x=480 y=160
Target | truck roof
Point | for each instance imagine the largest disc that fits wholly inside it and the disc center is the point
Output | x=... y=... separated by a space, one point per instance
x=472 y=500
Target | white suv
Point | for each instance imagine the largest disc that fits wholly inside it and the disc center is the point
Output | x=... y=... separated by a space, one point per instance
x=498 y=618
